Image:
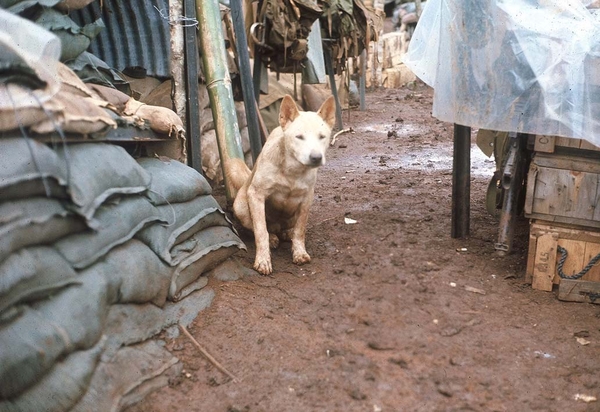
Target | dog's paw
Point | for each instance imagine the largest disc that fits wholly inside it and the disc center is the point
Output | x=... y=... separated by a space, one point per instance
x=263 y=266
x=301 y=257
x=273 y=241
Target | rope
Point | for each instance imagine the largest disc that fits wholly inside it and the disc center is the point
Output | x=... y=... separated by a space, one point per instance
x=593 y=296
x=182 y=20
x=583 y=271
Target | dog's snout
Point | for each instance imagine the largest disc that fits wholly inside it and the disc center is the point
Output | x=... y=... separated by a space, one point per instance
x=315 y=158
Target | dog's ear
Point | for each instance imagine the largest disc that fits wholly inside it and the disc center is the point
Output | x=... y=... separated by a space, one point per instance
x=327 y=111
x=288 y=111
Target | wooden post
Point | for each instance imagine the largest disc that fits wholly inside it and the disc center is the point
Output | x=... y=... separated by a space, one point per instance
x=334 y=91
x=362 y=80
x=177 y=63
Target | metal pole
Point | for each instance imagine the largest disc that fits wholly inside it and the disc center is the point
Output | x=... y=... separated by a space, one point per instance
x=246 y=77
x=338 y=106
x=191 y=87
x=461 y=182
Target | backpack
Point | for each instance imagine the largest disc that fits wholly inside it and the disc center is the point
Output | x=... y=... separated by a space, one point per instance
x=349 y=25
x=285 y=26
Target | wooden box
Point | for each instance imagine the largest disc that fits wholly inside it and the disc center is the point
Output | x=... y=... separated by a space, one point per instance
x=550 y=144
x=564 y=189
x=544 y=238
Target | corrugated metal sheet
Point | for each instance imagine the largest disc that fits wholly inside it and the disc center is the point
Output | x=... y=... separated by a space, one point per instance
x=135 y=34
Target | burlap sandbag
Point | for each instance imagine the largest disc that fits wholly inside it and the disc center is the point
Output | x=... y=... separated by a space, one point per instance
x=70 y=82
x=33 y=273
x=99 y=171
x=49 y=329
x=29 y=168
x=113 y=96
x=173 y=181
x=201 y=253
x=12 y=118
x=189 y=218
x=117 y=222
x=62 y=387
x=75 y=114
x=161 y=119
x=211 y=162
x=34 y=221
x=135 y=274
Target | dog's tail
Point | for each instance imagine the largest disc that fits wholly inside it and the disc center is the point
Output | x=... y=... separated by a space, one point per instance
x=237 y=173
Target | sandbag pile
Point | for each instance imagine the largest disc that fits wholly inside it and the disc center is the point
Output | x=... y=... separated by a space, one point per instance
x=84 y=227
x=90 y=238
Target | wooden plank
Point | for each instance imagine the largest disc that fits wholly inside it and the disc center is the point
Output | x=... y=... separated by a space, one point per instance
x=594 y=203
x=567 y=142
x=531 y=183
x=579 y=291
x=565 y=193
x=583 y=195
x=585 y=145
x=575 y=258
x=545 y=262
x=544 y=144
x=563 y=232
x=569 y=221
x=581 y=164
x=591 y=251
x=545 y=190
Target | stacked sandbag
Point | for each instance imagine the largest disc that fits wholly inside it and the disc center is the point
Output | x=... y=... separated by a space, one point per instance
x=86 y=232
x=62 y=211
x=199 y=235
x=92 y=228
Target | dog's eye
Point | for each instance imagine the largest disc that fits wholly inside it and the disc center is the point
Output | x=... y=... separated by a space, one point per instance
x=300 y=137
x=322 y=136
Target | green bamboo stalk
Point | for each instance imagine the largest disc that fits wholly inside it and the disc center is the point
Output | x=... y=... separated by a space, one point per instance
x=218 y=84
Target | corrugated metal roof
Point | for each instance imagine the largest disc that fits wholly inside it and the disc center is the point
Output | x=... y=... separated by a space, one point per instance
x=135 y=34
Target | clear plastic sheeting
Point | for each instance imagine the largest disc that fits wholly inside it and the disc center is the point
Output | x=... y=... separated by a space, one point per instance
x=512 y=65
x=26 y=46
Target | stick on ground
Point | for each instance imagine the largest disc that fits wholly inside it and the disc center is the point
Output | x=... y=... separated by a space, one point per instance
x=208 y=355
x=339 y=133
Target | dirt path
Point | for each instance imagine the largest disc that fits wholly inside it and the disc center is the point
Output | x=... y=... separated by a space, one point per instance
x=380 y=320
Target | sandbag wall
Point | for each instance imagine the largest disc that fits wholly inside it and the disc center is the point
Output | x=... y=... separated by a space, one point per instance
x=87 y=231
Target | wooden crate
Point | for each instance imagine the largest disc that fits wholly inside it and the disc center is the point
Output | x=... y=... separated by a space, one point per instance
x=544 y=238
x=549 y=144
x=564 y=189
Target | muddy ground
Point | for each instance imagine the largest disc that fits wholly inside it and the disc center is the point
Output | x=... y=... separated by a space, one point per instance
x=380 y=320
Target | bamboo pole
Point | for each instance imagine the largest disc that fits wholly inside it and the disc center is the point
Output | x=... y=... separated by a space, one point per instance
x=218 y=84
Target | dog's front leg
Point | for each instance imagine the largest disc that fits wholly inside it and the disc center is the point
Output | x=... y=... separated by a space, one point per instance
x=299 y=255
x=256 y=203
